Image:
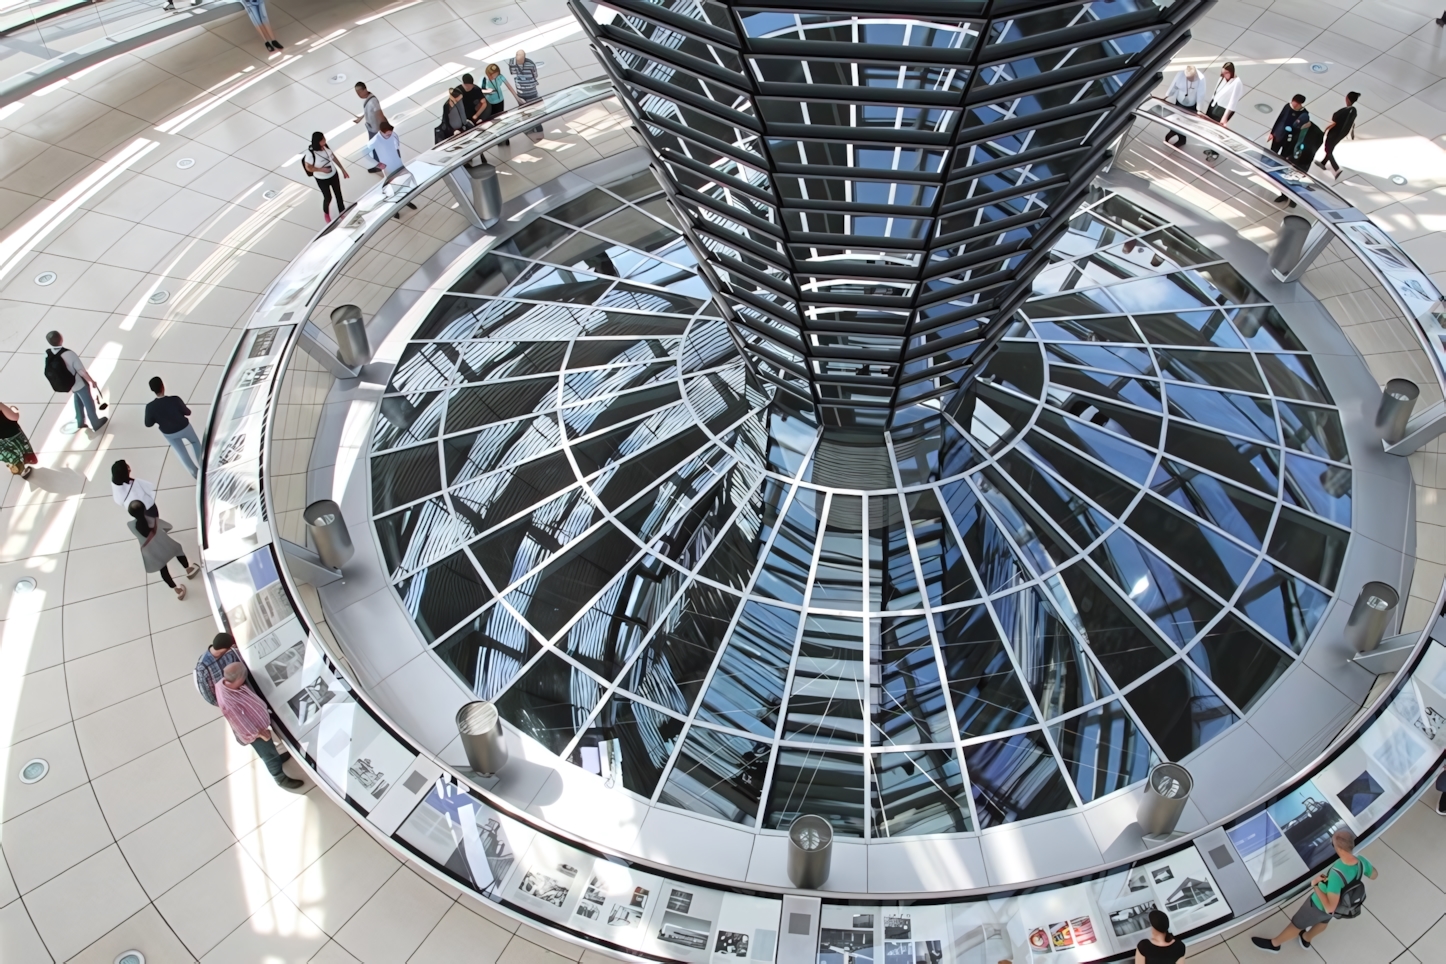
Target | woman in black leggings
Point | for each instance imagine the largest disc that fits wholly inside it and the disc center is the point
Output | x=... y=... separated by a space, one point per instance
x=322 y=164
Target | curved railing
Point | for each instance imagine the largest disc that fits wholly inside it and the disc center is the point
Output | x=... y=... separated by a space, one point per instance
x=442 y=817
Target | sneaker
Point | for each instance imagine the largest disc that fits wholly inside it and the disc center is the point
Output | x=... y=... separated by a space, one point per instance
x=284 y=757
x=278 y=45
x=1440 y=804
x=25 y=472
x=1321 y=165
x=100 y=426
x=192 y=569
x=374 y=170
x=411 y=205
x=169 y=6
x=1265 y=945
x=1281 y=199
x=327 y=215
x=1303 y=942
x=289 y=783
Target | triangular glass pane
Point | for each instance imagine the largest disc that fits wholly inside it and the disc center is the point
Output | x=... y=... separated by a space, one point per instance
x=1284 y=606
x=1054 y=664
x=1015 y=779
x=1240 y=662
x=1172 y=603
x=719 y=775
x=992 y=552
x=986 y=693
x=1103 y=750
x=1180 y=711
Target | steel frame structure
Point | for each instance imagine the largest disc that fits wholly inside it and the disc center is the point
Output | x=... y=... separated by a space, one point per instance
x=871 y=188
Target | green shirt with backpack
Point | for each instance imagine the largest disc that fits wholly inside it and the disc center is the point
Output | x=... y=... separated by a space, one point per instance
x=1340 y=876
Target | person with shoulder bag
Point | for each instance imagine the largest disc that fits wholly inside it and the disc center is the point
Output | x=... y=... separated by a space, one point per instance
x=157 y=546
x=319 y=162
x=454 y=116
x=1340 y=892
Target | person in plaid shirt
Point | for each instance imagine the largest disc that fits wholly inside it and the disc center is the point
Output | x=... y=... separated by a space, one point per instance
x=213 y=662
x=250 y=721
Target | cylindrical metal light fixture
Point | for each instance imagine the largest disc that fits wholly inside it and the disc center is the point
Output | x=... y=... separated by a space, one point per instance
x=1373 y=609
x=1166 y=790
x=350 y=330
x=810 y=851
x=483 y=740
x=328 y=532
x=1397 y=400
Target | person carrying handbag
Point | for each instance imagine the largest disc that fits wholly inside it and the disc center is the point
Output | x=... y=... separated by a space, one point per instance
x=319 y=162
x=15 y=448
x=454 y=116
x=157 y=546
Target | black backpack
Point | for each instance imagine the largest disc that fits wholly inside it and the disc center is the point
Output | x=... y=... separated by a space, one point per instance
x=60 y=378
x=1353 y=895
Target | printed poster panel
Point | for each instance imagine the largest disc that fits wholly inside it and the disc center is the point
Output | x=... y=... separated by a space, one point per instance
x=355 y=755
x=548 y=882
x=464 y=835
x=1288 y=838
x=684 y=923
x=884 y=934
x=251 y=596
x=747 y=929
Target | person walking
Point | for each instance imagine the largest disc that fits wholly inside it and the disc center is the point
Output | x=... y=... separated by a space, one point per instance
x=322 y=164
x=1161 y=947
x=1343 y=122
x=386 y=147
x=250 y=721
x=524 y=82
x=216 y=658
x=1187 y=92
x=157 y=547
x=256 y=11
x=15 y=450
x=125 y=489
x=65 y=373
x=372 y=116
x=169 y=414
x=1327 y=893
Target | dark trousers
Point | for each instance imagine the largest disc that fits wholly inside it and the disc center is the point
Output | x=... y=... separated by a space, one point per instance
x=1175 y=133
x=266 y=750
x=1281 y=147
x=330 y=186
x=1330 y=155
x=166 y=573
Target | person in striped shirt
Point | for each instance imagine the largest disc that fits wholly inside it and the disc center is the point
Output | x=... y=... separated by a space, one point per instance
x=250 y=721
x=524 y=81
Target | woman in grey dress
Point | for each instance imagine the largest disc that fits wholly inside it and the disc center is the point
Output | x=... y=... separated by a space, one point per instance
x=157 y=546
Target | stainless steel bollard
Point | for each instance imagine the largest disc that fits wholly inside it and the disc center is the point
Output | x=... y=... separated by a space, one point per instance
x=1166 y=790
x=1394 y=412
x=1373 y=609
x=480 y=728
x=1291 y=243
x=486 y=191
x=328 y=532
x=810 y=851
x=351 y=336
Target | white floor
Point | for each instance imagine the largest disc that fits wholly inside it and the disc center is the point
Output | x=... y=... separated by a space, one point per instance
x=153 y=830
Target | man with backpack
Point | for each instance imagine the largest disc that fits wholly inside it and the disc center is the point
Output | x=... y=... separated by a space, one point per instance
x=1339 y=892
x=65 y=373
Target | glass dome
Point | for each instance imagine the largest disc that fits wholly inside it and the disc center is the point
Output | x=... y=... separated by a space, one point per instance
x=1103 y=557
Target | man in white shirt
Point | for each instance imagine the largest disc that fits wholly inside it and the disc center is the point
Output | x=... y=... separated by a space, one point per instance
x=386 y=147
x=62 y=362
x=1187 y=92
x=371 y=115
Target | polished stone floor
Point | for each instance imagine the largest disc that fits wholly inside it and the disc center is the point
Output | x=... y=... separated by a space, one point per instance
x=153 y=830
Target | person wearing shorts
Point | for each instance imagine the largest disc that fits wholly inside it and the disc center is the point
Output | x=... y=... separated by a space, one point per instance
x=256 y=11
x=1325 y=894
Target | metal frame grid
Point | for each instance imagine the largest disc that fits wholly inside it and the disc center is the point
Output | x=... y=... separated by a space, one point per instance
x=871 y=192
x=600 y=520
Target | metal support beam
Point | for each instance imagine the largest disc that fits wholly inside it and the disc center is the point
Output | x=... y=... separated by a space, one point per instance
x=1427 y=424
x=307 y=566
x=1388 y=657
x=320 y=346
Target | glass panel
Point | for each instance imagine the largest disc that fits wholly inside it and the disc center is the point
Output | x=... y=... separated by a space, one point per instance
x=985 y=690
x=1227 y=411
x=1174 y=604
x=719 y=775
x=1239 y=661
x=1015 y=779
x=1050 y=659
x=489 y=651
x=785 y=570
x=1295 y=376
x=1284 y=606
x=1126 y=645
x=1209 y=557
x=631 y=740
x=607 y=635
x=1312 y=548
x=1248 y=463
x=918 y=792
x=550 y=701
x=404 y=476
x=838 y=583
x=1322 y=488
x=747 y=688
x=1180 y=711
x=830 y=785
x=908 y=705
x=442 y=595
x=672 y=668
x=826 y=701
x=1103 y=750
x=1240 y=512
x=1316 y=431
x=555 y=593
x=946 y=573
x=993 y=554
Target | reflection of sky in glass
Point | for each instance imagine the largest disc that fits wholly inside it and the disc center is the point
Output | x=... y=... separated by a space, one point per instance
x=599 y=519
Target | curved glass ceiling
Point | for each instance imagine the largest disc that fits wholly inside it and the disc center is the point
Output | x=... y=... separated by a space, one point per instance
x=1109 y=554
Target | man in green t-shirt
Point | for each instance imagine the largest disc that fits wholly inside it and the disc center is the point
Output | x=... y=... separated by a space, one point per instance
x=1325 y=895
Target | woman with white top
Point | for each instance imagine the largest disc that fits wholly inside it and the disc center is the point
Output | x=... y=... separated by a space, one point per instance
x=1187 y=92
x=126 y=490
x=1227 y=95
x=323 y=165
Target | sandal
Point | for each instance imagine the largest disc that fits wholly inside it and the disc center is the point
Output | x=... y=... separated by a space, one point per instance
x=180 y=592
